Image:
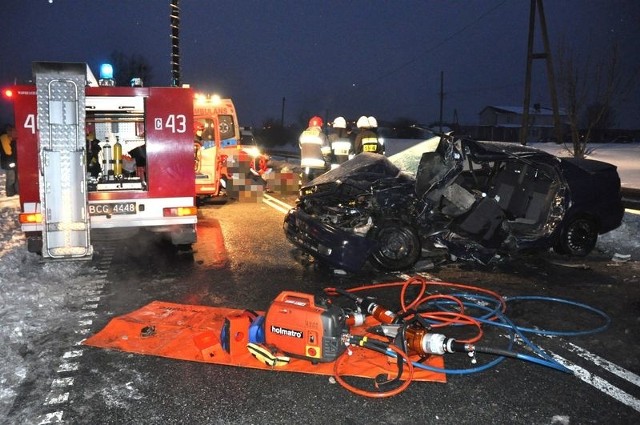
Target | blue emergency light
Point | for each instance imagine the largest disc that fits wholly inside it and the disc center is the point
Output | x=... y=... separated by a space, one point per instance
x=106 y=71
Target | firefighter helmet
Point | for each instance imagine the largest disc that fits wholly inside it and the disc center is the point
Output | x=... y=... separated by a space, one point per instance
x=340 y=122
x=363 y=122
x=373 y=123
x=315 y=121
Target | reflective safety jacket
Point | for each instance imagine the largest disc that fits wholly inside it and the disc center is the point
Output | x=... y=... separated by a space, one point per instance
x=341 y=148
x=367 y=141
x=8 y=154
x=313 y=148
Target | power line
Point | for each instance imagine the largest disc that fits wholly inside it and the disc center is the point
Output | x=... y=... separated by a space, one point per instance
x=430 y=49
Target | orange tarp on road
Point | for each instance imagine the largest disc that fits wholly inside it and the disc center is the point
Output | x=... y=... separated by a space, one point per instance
x=191 y=332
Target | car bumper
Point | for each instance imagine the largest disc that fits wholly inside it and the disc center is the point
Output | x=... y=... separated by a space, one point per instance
x=613 y=220
x=335 y=247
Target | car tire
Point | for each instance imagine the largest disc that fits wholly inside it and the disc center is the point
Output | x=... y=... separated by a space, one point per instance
x=398 y=246
x=578 y=238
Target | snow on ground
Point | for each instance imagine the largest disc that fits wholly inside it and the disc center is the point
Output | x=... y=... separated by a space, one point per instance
x=35 y=296
x=34 y=300
x=624 y=155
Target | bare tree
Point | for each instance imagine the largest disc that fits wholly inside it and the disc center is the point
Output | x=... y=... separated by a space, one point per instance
x=588 y=89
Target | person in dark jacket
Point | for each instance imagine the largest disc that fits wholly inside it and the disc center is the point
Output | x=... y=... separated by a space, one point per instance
x=93 y=155
x=366 y=140
x=341 y=147
x=9 y=159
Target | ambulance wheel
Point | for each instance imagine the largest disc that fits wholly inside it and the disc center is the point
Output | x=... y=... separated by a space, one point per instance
x=398 y=246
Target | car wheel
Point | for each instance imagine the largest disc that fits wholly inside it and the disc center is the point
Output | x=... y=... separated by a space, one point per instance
x=398 y=247
x=579 y=237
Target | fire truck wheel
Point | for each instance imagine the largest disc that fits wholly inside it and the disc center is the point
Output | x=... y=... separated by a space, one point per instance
x=184 y=248
x=34 y=242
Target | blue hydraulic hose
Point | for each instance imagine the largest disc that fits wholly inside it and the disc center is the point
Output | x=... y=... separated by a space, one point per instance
x=506 y=323
x=494 y=316
x=605 y=316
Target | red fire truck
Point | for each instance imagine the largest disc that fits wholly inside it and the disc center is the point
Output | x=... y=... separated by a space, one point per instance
x=142 y=176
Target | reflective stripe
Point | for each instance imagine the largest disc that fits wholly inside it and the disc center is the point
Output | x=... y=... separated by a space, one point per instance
x=310 y=139
x=370 y=144
x=312 y=162
x=341 y=145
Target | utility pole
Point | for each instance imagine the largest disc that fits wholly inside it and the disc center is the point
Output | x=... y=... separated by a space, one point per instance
x=441 y=97
x=174 y=18
x=282 y=114
x=546 y=55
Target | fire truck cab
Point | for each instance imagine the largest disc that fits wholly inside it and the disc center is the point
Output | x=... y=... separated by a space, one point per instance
x=96 y=156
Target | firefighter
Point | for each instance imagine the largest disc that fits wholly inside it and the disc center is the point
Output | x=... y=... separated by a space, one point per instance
x=340 y=144
x=9 y=160
x=314 y=150
x=93 y=155
x=373 y=125
x=139 y=155
x=366 y=140
x=198 y=128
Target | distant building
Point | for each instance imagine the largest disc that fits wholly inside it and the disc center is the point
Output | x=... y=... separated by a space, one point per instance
x=503 y=123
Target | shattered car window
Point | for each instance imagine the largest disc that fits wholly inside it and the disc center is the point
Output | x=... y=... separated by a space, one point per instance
x=365 y=163
x=409 y=159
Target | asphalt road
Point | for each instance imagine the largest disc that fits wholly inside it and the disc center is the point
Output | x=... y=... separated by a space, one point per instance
x=242 y=260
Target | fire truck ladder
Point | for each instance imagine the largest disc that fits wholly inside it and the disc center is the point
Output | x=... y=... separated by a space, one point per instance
x=63 y=187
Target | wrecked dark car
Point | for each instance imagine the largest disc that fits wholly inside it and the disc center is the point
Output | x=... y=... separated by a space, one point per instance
x=460 y=198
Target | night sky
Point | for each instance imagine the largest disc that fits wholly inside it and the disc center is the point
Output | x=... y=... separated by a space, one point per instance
x=350 y=58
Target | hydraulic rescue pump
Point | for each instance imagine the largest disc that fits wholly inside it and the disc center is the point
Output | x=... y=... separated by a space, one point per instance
x=305 y=326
